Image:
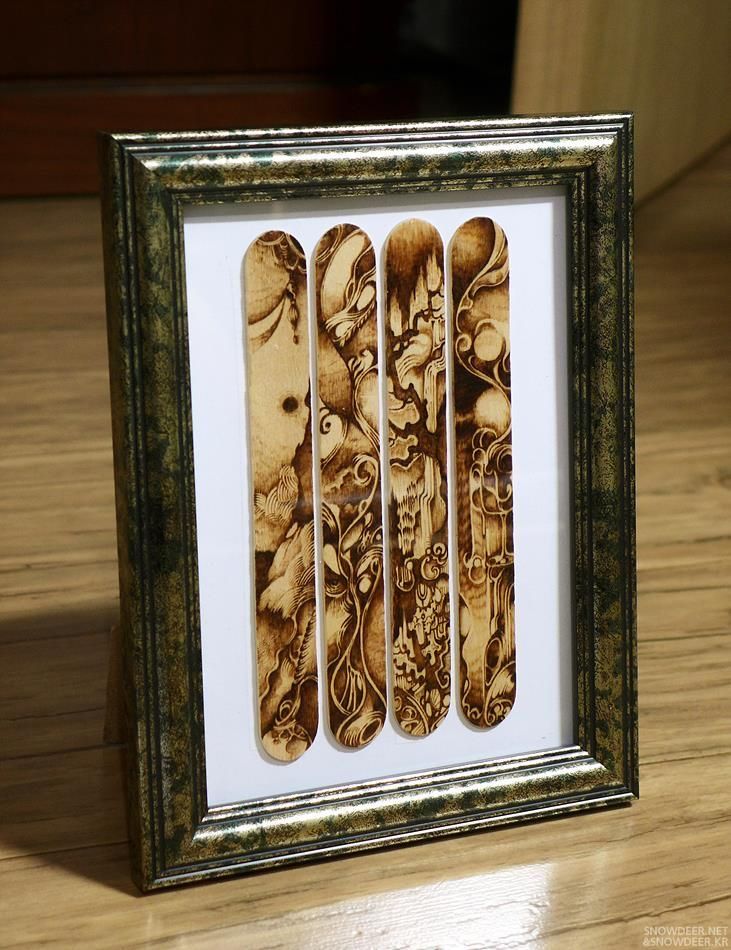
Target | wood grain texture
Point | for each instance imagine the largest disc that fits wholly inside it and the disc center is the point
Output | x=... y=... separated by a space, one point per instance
x=350 y=484
x=479 y=271
x=280 y=452
x=665 y=60
x=417 y=448
x=591 y=881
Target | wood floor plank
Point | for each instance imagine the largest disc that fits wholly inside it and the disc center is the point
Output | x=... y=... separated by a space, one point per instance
x=61 y=802
x=710 y=917
x=57 y=706
x=684 y=682
x=685 y=614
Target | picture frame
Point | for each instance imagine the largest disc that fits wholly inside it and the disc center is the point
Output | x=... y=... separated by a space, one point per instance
x=214 y=789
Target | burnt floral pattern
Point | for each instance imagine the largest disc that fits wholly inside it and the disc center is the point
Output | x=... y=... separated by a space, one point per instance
x=417 y=441
x=484 y=467
x=277 y=359
x=350 y=485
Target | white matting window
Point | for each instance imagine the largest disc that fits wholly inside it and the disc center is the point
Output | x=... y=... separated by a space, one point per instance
x=216 y=240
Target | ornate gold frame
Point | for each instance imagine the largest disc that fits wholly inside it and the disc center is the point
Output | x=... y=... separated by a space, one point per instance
x=148 y=178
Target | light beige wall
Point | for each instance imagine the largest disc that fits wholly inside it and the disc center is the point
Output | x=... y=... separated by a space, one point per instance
x=668 y=61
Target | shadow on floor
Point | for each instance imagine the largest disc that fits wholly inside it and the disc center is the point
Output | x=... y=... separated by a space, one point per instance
x=62 y=794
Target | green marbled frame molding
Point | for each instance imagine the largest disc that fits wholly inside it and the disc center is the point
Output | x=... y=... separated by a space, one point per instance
x=148 y=178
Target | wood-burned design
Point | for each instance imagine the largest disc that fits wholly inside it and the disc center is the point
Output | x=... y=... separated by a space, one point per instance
x=349 y=449
x=278 y=389
x=484 y=466
x=417 y=439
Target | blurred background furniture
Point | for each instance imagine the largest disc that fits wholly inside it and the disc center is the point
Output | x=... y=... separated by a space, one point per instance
x=668 y=61
x=71 y=67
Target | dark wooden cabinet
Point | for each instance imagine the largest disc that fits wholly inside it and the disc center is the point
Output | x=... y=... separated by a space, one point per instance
x=68 y=69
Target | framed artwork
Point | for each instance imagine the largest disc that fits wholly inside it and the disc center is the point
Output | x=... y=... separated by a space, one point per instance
x=373 y=426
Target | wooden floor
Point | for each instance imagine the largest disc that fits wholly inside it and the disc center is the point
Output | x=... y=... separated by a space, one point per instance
x=596 y=880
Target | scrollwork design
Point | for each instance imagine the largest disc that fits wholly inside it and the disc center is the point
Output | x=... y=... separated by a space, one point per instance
x=349 y=447
x=484 y=466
